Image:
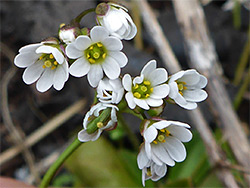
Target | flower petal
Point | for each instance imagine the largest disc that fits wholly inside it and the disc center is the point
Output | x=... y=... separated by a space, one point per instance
x=138 y=80
x=160 y=92
x=127 y=82
x=83 y=136
x=120 y=58
x=176 y=76
x=111 y=68
x=82 y=42
x=150 y=134
x=59 y=78
x=98 y=34
x=197 y=95
x=130 y=100
x=173 y=90
x=191 y=77
x=148 y=68
x=95 y=75
x=160 y=170
x=177 y=123
x=72 y=52
x=161 y=153
x=45 y=81
x=33 y=72
x=49 y=49
x=141 y=103
x=154 y=102
x=112 y=43
x=148 y=150
x=80 y=67
x=158 y=76
x=29 y=48
x=188 y=105
x=142 y=159
x=181 y=133
x=25 y=59
x=161 y=124
x=175 y=149
x=202 y=82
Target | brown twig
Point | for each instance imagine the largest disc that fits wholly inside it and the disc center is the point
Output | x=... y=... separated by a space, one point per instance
x=162 y=45
x=13 y=131
x=47 y=128
x=203 y=57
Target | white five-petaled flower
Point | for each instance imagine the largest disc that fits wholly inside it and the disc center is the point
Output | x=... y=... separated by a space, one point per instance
x=95 y=54
x=110 y=91
x=148 y=89
x=186 y=88
x=162 y=146
x=94 y=112
x=44 y=63
x=153 y=171
x=116 y=20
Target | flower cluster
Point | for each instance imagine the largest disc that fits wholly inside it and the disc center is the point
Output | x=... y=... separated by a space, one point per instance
x=96 y=53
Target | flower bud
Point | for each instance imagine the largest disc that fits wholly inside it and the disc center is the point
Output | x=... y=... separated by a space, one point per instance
x=68 y=33
x=156 y=111
x=116 y=20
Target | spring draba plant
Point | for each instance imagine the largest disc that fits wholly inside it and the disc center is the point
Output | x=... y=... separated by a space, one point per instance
x=96 y=52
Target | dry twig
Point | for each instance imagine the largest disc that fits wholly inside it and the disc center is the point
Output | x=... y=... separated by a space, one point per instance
x=47 y=128
x=162 y=45
x=203 y=57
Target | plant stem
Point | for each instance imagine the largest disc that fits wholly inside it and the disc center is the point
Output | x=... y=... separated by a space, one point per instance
x=81 y=15
x=57 y=164
x=131 y=136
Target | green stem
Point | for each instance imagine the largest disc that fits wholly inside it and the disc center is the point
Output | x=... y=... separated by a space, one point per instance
x=81 y=15
x=131 y=136
x=53 y=169
x=237 y=14
x=129 y=111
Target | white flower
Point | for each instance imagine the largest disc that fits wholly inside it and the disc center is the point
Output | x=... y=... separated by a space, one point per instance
x=148 y=88
x=186 y=88
x=95 y=54
x=68 y=33
x=153 y=171
x=44 y=63
x=94 y=112
x=163 y=143
x=116 y=20
x=110 y=91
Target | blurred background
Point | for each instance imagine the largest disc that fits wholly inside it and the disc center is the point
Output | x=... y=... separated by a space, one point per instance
x=47 y=122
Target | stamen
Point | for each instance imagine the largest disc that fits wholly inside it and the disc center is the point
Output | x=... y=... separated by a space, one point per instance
x=91 y=47
x=104 y=55
x=51 y=56
x=44 y=66
x=53 y=67
x=184 y=88
x=181 y=93
x=137 y=95
x=149 y=172
x=162 y=130
x=99 y=44
x=180 y=87
x=152 y=89
x=167 y=132
x=144 y=88
x=136 y=86
x=146 y=82
x=55 y=63
x=147 y=95
x=99 y=125
x=41 y=57
x=161 y=138
x=91 y=60
x=96 y=55
x=155 y=142
x=88 y=56
x=47 y=63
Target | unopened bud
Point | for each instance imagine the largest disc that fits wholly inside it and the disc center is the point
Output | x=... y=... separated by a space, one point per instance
x=102 y=9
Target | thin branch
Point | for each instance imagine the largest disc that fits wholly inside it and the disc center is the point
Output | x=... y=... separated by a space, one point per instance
x=46 y=129
x=162 y=45
x=203 y=57
x=13 y=131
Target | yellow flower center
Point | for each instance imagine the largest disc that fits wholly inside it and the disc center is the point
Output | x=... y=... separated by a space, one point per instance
x=49 y=61
x=96 y=53
x=143 y=90
x=181 y=86
x=162 y=134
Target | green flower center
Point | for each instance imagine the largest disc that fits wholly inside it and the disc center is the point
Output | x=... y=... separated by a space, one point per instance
x=143 y=90
x=49 y=61
x=96 y=53
x=181 y=86
x=162 y=134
